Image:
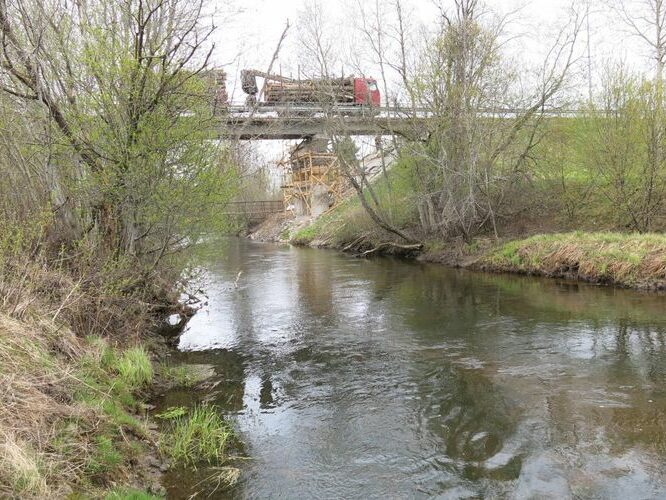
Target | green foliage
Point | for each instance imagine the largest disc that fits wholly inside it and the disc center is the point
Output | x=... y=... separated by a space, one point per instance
x=131 y=171
x=106 y=456
x=607 y=166
x=200 y=436
x=182 y=376
x=305 y=235
x=110 y=378
x=135 y=368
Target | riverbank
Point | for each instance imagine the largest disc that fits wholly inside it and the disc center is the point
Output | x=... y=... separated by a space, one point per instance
x=627 y=260
x=73 y=417
x=79 y=366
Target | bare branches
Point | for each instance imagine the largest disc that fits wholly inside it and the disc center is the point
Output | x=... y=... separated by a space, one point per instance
x=475 y=146
x=646 y=19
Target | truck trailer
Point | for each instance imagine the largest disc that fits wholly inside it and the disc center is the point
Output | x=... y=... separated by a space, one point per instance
x=279 y=90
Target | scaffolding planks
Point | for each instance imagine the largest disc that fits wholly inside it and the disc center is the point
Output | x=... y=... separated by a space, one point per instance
x=305 y=171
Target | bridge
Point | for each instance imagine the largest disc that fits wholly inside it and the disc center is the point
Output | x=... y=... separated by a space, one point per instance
x=303 y=121
x=299 y=122
x=253 y=211
x=312 y=172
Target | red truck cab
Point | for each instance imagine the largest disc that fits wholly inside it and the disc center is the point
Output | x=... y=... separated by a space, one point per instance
x=366 y=92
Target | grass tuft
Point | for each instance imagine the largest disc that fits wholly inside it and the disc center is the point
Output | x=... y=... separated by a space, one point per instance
x=200 y=436
x=135 y=368
x=23 y=468
x=129 y=494
x=181 y=376
x=172 y=413
x=106 y=457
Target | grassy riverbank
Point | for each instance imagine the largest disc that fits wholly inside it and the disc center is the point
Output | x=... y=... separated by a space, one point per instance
x=628 y=260
x=74 y=417
x=77 y=370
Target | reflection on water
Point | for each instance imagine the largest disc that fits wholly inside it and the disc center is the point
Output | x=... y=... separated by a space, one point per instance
x=350 y=378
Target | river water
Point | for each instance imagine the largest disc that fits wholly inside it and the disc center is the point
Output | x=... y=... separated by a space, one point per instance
x=350 y=378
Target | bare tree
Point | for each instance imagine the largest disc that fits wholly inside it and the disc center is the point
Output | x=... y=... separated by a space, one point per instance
x=646 y=19
x=372 y=24
x=483 y=127
x=316 y=42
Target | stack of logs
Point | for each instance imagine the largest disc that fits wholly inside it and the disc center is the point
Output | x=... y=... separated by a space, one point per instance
x=339 y=91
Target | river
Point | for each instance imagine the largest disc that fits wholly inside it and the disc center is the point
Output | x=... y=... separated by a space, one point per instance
x=350 y=378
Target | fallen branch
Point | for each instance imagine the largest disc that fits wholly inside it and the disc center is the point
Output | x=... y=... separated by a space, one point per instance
x=354 y=243
x=416 y=246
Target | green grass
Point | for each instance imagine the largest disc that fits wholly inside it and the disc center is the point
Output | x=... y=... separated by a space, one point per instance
x=134 y=367
x=172 y=413
x=306 y=235
x=634 y=260
x=199 y=436
x=106 y=456
x=110 y=380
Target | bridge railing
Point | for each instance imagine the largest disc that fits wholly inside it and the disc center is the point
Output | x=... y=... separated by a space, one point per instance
x=254 y=209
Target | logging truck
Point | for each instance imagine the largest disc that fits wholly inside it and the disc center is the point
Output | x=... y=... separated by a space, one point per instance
x=279 y=90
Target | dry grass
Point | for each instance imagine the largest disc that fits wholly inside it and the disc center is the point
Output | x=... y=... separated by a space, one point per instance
x=66 y=401
x=67 y=411
x=630 y=260
x=89 y=300
x=35 y=398
x=22 y=467
x=70 y=368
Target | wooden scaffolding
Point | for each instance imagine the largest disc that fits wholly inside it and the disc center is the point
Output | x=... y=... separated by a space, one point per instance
x=306 y=170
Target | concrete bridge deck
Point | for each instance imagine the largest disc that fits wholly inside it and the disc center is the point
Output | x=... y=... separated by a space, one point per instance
x=262 y=126
x=302 y=121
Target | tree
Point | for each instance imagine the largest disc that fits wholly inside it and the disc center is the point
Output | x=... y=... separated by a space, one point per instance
x=624 y=144
x=484 y=126
x=125 y=85
x=646 y=19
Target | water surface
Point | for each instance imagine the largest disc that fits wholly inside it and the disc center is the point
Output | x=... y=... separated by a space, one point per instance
x=351 y=378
